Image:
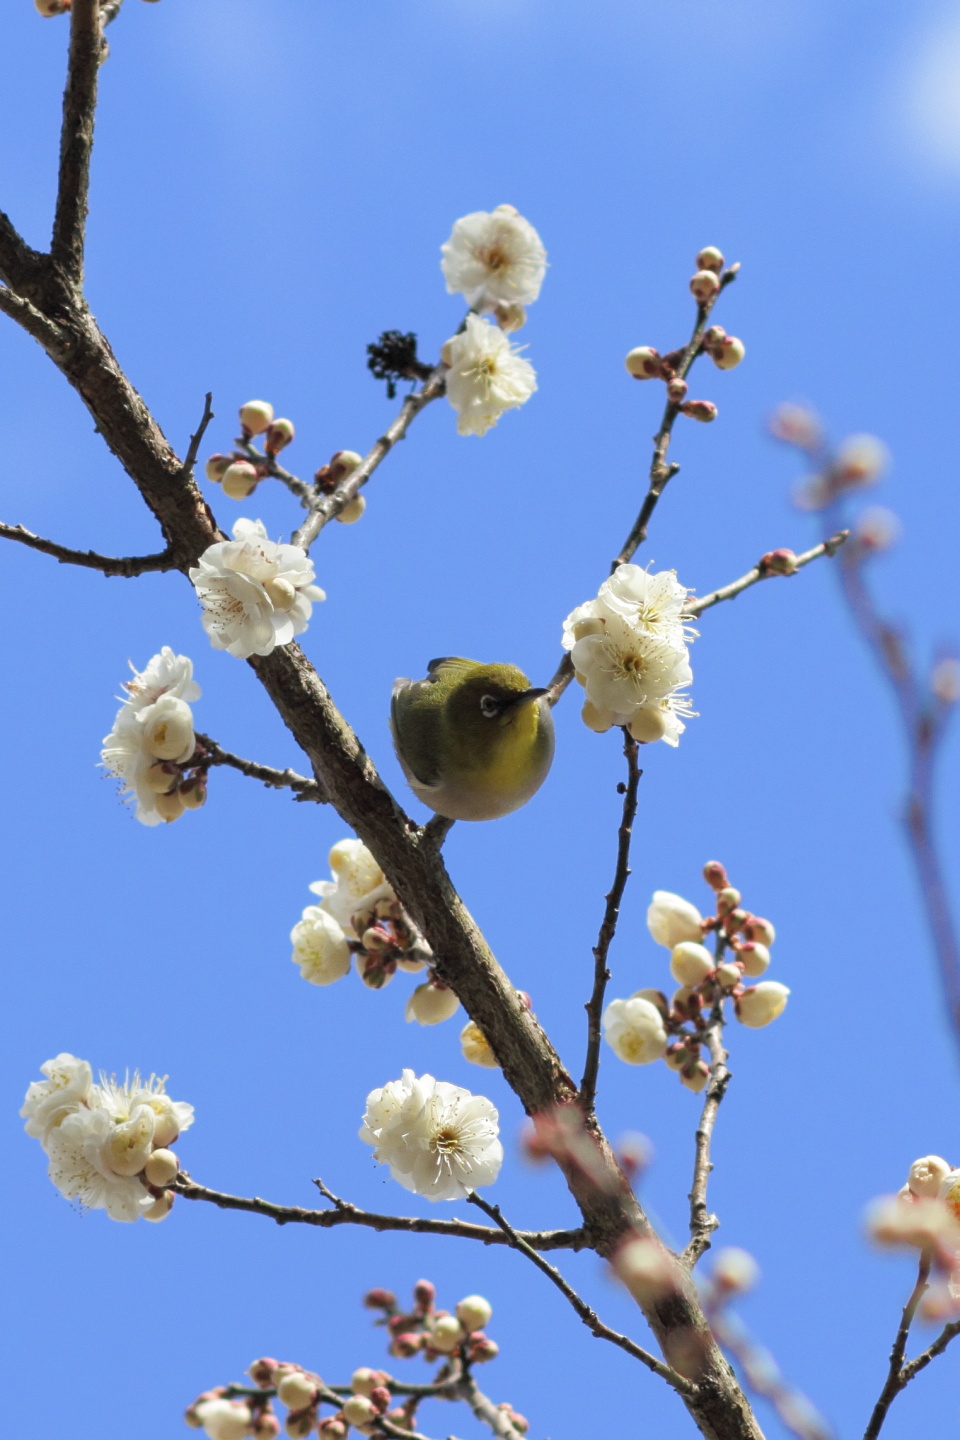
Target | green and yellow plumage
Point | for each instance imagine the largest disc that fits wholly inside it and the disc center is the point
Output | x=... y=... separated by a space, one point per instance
x=475 y=741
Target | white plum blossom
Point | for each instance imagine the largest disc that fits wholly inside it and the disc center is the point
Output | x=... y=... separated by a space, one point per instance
x=634 y=1030
x=148 y=732
x=486 y=375
x=629 y=652
x=319 y=947
x=494 y=258
x=671 y=920
x=357 y=886
x=99 y=1138
x=761 y=1004
x=256 y=593
x=164 y=674
x=224 y=1419
x=438 y=1140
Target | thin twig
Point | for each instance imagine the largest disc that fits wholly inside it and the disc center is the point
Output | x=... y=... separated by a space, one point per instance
x=210 y=753
x=760 y=572
x=586 y=1314
x=269 y=464
x=897 y=1377
x=608 y=927
x=436 y=831
x=327 y=507
x=486 y=1412
x=921 y=1361
x=109 y=10
x=702 y=1222
x=127 y=566
x=76 y=139
x=196 y=439
x=347 y=1214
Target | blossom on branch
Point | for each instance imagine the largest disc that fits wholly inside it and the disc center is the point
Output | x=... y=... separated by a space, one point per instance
x=152 y=737
x=256 y=593
x=319 y=947
x=494 y=258
x=438 y=1140
x=671 y=920
x=357 y=885
x=486 y=375
x=635 y=1031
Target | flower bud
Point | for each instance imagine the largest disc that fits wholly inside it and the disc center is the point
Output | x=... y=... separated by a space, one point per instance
x=861 y=460
x=671 y=919
x=296 y=1391
x=677 y=390
x=299 y=1423
x=161 y=1169
x=690 y=963
x=728 y=353
x=735 y=1270
x=49 y=8
x=656 y=998
x=924 y=1223
x=715 y=875
x=704 y=285
x=431 y=1003
x=950 y=1193
x=733 y=920
x=648 y=725
x=239 y=480
x=278 y=436
x=280 y=592
x=424 y=1294
x=754 y=956
x=378 y=1298
x=474 y=1312
x=676 y=1056
x=224 y=1419
x=728 y=976
x=352 y=511
x=795 y=425
x=266 y=1426
x=475 y=1047
x=710 y=258
x=359 y=1411
x=216 y=466
x=255 y=416
x=727 y=899
x=510 y=317
x=686 y=1002
x=169 y=736
x=927 y=1175
x=779 y=562
x=332 y=1428
x=599 y=721
x=381 y=1397
x=406 y=1344
x=261 y=1371
x=169 y=807
x=160 y=1208
x=760 y=1004
x=756 y=928
x=162 y=777
x=702 y=410
x=364 y=1381
x=643 y=363
x=344 y=462
x=695 y=1075
x=194 y=793
x=876 y=530
x=446 y=1334
x=713 y=337
x=482 y=1349
x=945 y=680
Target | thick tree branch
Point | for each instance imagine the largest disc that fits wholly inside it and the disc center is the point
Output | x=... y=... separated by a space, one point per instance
x=608 y=927
x=760 y=572
x=127 y=566
x=76 y=139
x=897 y=1378
x=344 y=1213
x=589 y=1317
x=702 y=1223
x=210 y=753
x=29 y=318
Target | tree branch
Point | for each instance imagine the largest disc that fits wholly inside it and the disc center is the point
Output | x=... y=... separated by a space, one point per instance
x=589 y=1317
x=76 y=139
x=897 y=1377
x=346 y=1214
x=921 y=1361
x=127 y=566
x=762 y=572
x=486 y=1412
x=608 y=927
x=196 y=439
x=702 y=1223
x=29 y=318
x=210 y=753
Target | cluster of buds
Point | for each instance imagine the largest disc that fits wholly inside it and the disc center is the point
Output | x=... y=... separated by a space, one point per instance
x=178 y=786
x=649 y=1026
x=726 y=351
x=328 y=477
x=390 y=941
x=925 y=1216
x=855 y=464
x=456 y=1338
x=240 y=472
x=49 y=8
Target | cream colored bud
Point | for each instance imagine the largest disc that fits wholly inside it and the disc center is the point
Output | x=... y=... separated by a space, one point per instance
x=255 y=416
x=194 y=793
x=278 y=436
x=714 y=336
x=755 y=958
x=474 y=1312
x=280 y=592
x=703 y=410
x=49 y=8
x=735 y=1270
x=671 y=919
x=599 y=721
x=162 y=777
x=475 y=1048
x=160 y=1208
x=676 y=1056
x=299 y=1423
x=923 y=1223
x=352 y=511
x=728 y=353
x=446 y=1334
x=169 y=736
x=686 y=1001
x=710 y=258
x=729 y=976
x=239 y=480
x=727 y=899
x=704 y=285
x=169 y=807
x=359 y=1410
x=690 y=963
x=296 y=1391
x=648 y=725
x=927 y=1175
x=341 y=856
x=161 y=1169
x=510 y=317
x=761 y=1004
x=756 y=928
x=431 y=1004
x=643 y=362
x=656 y=998
x=695 y=1076
x=364 y=1381
x=677 y=390
x=217 y=466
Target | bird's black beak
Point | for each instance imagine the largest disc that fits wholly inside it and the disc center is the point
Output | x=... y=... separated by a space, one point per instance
x=534 y=693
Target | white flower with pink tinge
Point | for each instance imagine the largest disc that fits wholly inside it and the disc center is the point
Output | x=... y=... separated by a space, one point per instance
x=438 y=1140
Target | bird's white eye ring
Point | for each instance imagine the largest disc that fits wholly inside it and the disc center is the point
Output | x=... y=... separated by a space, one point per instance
x=489 y=707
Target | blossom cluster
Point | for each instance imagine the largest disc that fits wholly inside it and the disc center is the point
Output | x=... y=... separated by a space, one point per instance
x=924 y=1215
x=256 y=593
x=439 y=1140
x=369 y=1402
x=152 y=742
x=648 y=1026
x=629 y=652
x=496 y=260
x=107 y=1144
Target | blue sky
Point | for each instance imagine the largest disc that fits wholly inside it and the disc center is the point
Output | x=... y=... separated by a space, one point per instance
x=272 y=182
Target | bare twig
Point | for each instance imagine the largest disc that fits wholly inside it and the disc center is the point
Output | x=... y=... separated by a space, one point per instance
x=760 y=572
x=702 y=1222
x=76 y=139
x=608 y=927
x=589 y=1317
x=269 y=464
x=44 y=331
x=489 y=1414
x=921 y=1361
x=897 y=1377
x=346 y=1214
x=127 y=566
x=196 y=439
x=210 y=753
x=326 y=507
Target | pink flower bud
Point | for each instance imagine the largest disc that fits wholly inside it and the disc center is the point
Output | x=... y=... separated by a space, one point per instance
x=261 y=1371
x=424 y=1295
x=861 y=460
x=216 y=465
x=732 y=921
x=735 y=1270
x=364 y=1380
x=779 y=562
x=677 y=390
x=795 y=425
x=239 y=480
x=713 y=337
x=728 y=353
x=702 y=410
x=715 y=875
x=278 y=436
x=255 y=416
x=945 y=680
x=519 y=1422
x=379 y=1299
x=644 y=363
x=49 y=8
x=686 y=1002
x=727 y=899
x=754 y=957
x=266 y=1426
x=634 y=1153
x=381 y=1397
x=756 y=928
x=510 y=317
x=406 y=1344
x=704 y=285
x=482 y=1349
x=296 y=1390
x=299 y=1423
x=710 y=258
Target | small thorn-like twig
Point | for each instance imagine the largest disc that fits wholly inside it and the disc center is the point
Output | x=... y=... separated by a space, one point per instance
x=196 y=440
x=897 y=1373
x=436 y=831
x=127 y=566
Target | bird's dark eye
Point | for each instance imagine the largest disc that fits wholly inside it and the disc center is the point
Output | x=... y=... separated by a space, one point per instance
x=489 y=707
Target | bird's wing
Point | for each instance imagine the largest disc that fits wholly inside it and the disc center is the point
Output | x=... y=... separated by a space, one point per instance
x=415 y=722
x=451 y=665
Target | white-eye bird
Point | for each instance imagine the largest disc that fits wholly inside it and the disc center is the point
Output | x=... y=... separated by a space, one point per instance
x=475 y=741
